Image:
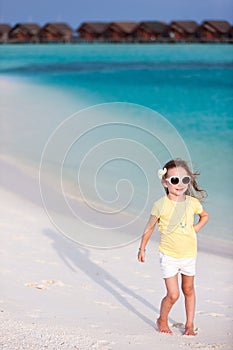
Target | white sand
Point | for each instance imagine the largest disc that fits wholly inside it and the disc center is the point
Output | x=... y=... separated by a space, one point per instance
x=56 y=294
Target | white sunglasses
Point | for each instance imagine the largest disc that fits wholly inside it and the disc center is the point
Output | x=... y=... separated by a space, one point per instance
x=175 y=180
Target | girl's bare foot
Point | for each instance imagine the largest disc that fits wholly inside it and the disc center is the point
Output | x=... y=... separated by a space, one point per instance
x=189 y=331
x=163 y=327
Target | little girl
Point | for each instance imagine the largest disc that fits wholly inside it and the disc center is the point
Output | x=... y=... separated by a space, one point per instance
x=178 y=245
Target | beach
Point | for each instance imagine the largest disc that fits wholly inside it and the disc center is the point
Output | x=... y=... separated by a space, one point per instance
x=84 y=130
x=56 y=294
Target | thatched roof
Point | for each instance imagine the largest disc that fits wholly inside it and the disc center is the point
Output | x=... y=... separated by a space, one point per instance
x=189 y=27
x=93 y=27
x=220 y=26
x=58 y=28
x=27 y=28
x=153 y=26
x=124 y=27
x=4 y=28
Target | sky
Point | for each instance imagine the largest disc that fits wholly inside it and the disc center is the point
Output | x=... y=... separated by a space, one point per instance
x=74 y=12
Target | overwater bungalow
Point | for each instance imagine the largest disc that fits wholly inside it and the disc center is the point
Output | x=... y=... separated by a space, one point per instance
x=183 y=31
x=55 y=33
x=231 y=34
x=92 y=31
x=210 y=31
x=120 y=31
x=4 y=32
x=150 y=31
x=24 y=33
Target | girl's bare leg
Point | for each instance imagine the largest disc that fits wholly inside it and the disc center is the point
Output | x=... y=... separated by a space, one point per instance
x=167 y=303
x=190 y=301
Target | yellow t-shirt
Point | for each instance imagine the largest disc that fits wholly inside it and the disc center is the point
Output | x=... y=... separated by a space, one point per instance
x=175 y=221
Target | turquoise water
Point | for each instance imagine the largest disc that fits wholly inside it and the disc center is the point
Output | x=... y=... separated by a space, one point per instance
x=189 y=85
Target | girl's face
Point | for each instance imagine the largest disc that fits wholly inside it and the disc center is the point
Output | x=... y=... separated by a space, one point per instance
x=179 y=189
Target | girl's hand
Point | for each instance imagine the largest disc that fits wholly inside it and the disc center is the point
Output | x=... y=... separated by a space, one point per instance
x=141 y=256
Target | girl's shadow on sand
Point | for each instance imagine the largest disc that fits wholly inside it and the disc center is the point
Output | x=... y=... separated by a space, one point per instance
x=78 y=258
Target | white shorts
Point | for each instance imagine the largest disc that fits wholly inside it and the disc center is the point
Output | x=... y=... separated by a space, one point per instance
x=171 y=266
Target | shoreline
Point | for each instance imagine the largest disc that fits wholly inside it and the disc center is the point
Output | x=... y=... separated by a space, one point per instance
x=27 y=187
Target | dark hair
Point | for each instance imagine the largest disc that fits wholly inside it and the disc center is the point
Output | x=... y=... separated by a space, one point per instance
x=193 y=189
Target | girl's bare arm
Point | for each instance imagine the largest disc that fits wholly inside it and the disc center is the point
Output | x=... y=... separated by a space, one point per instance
x=204 y=217
x=146 y=236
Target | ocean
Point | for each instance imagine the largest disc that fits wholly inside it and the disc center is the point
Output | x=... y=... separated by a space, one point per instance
x=96 y=121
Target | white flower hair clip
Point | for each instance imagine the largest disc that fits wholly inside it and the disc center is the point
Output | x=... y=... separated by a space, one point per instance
x=162 y=172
